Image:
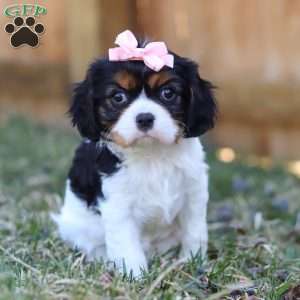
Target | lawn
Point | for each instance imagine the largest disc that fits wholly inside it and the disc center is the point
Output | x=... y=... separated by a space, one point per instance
x=254 y=244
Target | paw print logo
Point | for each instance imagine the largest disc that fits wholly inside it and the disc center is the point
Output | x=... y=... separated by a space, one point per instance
x=24 y=32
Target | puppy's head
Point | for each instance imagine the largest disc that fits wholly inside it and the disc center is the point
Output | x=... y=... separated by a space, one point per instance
x=129 y=103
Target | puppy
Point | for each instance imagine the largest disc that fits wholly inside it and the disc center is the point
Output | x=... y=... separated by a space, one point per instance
x=138 y=184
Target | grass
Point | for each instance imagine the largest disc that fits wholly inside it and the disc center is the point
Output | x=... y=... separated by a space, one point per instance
x=254 y=241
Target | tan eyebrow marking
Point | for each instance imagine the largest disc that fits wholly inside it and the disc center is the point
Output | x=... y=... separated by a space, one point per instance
x=125 y=80
x=158 y=79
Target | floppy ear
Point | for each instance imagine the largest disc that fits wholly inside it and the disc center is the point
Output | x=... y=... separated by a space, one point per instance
x=82 y=111
x=202 y=109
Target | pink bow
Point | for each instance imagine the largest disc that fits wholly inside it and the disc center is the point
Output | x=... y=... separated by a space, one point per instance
x=155 y=55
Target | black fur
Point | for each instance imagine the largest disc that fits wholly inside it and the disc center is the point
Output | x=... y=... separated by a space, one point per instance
x=82 y=111
x=90 y=163
x=94 y=114
x=200 y=107
x=196 y=110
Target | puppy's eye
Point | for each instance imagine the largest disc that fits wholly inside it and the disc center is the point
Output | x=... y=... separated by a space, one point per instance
x=119 y=98
x=167 y=94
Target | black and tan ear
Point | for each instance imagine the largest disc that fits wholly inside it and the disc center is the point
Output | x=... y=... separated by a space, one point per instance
x=82 y=111
x=202 y=109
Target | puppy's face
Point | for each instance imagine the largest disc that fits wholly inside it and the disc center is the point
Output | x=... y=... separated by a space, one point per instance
x=142 y=106
x=130 y=104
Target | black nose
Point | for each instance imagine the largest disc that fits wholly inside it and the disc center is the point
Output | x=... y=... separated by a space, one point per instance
x=144 y=121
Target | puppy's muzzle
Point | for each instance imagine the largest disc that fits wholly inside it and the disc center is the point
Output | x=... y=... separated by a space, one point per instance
x=145 y=121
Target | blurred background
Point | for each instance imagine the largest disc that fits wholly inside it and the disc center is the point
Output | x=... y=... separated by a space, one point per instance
x=249 y=49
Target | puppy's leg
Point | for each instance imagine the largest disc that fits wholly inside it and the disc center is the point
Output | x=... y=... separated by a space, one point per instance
x=193 y=219
x=81 y=227
x=122 y=237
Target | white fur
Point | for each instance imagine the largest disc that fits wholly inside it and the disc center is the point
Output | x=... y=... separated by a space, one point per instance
x=79 y=226
x=165 y=129
x=156 y=200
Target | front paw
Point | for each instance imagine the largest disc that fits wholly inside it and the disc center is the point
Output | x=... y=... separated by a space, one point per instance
x=188 y=252
x=130 y=267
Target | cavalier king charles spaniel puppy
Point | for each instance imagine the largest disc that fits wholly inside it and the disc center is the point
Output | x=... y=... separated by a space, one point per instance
x=138 y=184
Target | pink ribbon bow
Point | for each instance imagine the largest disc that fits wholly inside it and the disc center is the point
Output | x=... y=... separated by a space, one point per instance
x=155 y=55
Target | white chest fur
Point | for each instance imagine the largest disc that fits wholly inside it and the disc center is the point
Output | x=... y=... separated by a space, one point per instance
x=158 y=193
x=156 y=200
x=153 y=180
